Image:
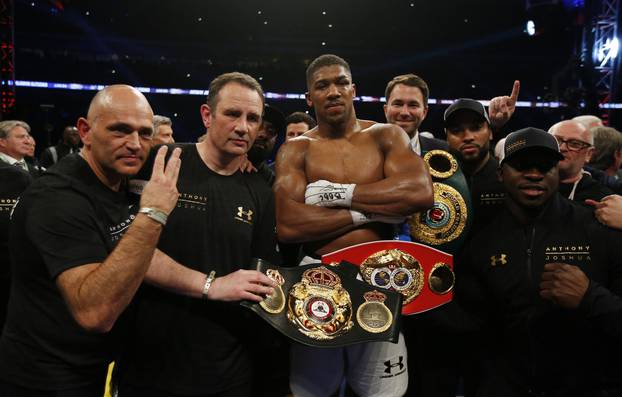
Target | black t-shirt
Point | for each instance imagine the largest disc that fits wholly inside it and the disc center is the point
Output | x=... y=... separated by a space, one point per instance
x=186 y=345
x=66 y=218
x=14 y=182
x=587 y=188
x=487 y=194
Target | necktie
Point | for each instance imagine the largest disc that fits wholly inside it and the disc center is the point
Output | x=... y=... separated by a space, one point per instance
x=21 y=164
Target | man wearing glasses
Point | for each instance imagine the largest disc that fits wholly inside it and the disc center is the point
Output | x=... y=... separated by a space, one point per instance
x=576 y=144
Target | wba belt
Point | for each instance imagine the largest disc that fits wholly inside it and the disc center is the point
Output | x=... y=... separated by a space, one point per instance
x=422 y=275
x=445 y=225
x=326 y=306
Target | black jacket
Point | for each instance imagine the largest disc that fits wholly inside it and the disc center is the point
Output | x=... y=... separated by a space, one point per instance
x=428 y=144
x=47 y=158
x=539 y=346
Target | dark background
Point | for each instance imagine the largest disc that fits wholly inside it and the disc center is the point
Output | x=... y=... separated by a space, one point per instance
x=474 y=48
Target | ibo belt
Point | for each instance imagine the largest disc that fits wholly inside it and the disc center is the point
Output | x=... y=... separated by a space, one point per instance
x=422 y=275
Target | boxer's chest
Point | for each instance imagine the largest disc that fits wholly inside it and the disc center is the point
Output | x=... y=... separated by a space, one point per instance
x=345 y=161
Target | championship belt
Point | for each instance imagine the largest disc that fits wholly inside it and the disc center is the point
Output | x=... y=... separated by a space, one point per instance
x=326 y=306
x=445 y=225
x=422 y=275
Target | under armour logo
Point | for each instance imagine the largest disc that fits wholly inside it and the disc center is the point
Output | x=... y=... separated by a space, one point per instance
x=389 y=365
x=498 y=260
x=248 y=214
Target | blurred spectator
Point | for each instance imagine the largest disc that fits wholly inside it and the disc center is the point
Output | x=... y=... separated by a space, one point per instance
x=607 y=150
x=162 y=130
x=297 y=124
x=15 y=144
x=588 y=121
x=576 y=144
x=70 y=143
x=273 y=125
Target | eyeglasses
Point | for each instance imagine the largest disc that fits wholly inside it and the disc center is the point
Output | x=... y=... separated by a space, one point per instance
x=572 y=144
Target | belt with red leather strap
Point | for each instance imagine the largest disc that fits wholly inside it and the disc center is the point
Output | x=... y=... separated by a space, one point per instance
x=422 y=275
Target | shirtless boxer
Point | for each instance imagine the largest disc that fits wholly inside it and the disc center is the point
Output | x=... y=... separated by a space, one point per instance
x=346 y=182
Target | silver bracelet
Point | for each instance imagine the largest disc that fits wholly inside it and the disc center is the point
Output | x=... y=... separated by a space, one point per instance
x=208 y=283
x=154 y=214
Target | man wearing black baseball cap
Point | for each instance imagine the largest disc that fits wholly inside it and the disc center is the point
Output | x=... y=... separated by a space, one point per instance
x=469 y=133
x=550 y=283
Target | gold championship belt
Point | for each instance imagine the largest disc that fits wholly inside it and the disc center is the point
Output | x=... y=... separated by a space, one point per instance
x=422 y=275
x=445 y=225
x=326 y=306
x=319 y=306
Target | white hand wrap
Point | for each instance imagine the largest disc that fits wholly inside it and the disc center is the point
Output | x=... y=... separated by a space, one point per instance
x=358 y=218
x=329 y=194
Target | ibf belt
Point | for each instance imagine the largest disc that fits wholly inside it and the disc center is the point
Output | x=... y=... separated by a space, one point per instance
x=445 y=225
x=422 y=275
x=326 y=306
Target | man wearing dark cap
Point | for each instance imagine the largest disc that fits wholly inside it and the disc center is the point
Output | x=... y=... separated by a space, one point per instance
x=272 y=126
x=469 y=133
x=549 y=284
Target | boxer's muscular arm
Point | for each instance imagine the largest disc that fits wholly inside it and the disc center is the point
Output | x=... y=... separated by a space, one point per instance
x=407 y=186
x=295 y=220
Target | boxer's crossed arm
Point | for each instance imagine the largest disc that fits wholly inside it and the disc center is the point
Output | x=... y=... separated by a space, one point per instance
x=295 y=220
x=407 y=185
x=406 y=188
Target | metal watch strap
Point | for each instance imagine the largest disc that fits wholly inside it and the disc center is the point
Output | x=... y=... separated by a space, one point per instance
x=208 y=283
x=154 y=214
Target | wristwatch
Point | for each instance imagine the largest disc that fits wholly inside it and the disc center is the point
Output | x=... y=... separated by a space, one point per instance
x=154 y=214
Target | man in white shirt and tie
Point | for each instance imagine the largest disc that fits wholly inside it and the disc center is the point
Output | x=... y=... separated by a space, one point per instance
x=14 y=142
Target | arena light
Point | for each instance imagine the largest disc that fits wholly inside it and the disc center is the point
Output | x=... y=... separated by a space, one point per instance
x=274 y=95
x=530 y=27
x=607 y=51
x=614 y=47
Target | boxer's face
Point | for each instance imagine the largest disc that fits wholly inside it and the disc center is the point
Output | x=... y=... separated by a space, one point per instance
x=405 y=107
x=331 y=92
